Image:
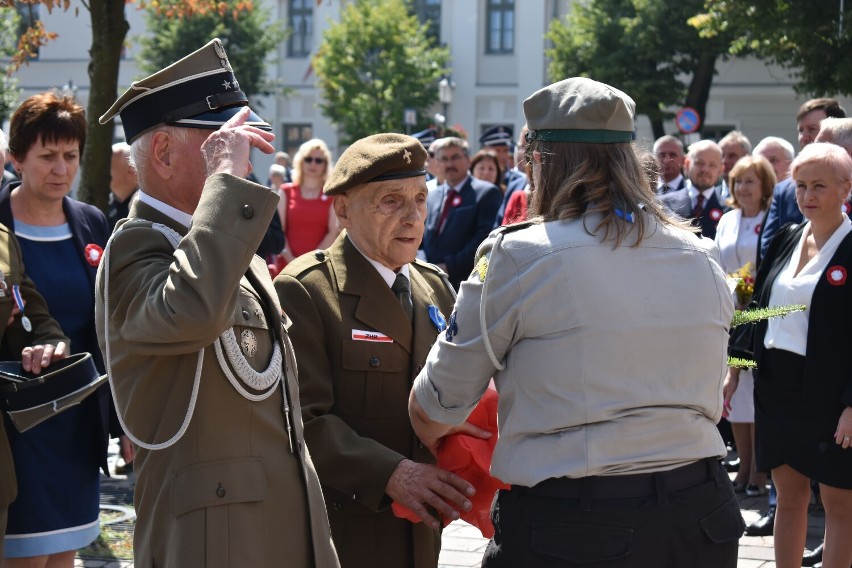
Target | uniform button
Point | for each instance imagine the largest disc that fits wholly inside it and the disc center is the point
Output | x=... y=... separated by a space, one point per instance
x=374 y=362
x=248 y=211
x=337 y=507
x=246 y=315
x=319 y=255
x=220 y=491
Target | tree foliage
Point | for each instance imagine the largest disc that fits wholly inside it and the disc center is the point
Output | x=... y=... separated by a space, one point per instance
x=375 y=62
x=812 y=40
x=9 y=91
x=644 y=47
x=249 y=38
x=109 y=29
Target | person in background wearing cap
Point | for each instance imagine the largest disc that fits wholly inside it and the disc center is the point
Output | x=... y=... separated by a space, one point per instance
x=203 y=372
x=499 y=140
x=459 y=213
x=520 y=182
x=611 y=450
x=365 y=314
x=37 y=348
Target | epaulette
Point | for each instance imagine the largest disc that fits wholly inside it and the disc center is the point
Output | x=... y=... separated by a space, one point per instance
x=513 y=227
x=307 y=261
x=428 y=266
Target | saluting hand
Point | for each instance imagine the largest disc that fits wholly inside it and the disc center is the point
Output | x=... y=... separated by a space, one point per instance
x=227 y=150
x=421 y=486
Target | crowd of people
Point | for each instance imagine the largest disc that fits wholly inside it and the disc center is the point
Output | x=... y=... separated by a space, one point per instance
x=288 y=360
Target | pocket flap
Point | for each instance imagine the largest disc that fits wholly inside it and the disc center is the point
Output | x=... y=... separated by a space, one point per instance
x=725 y=524
x=218 y=483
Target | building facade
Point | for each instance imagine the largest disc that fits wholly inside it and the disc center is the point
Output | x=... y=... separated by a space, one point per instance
x=497 y=59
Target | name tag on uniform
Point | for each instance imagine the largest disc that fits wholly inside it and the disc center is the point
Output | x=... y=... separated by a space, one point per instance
x=361 y=335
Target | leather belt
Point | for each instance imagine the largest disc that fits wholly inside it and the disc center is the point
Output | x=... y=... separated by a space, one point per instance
x=626 y=486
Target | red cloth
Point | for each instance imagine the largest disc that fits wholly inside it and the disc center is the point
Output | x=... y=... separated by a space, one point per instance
x=470 y=459
x=307 y=222
x=516 y=208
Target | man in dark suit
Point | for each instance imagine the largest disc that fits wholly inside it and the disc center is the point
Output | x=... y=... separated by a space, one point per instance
x=365 y=315
x=783 y=208
x=669 y=153
x=459 y=214
x=701 y=199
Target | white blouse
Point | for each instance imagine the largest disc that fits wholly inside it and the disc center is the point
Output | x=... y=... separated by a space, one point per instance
x=736 y=237
x=791 y=332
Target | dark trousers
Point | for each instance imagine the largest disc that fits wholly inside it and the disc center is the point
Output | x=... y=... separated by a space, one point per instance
x=684 y=518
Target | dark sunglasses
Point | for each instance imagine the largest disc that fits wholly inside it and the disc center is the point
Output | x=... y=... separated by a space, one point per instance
x=311 y=160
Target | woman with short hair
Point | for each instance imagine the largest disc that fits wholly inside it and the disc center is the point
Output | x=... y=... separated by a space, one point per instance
x=803 y=380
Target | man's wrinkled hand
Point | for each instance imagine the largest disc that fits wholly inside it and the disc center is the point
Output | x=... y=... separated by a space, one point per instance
x=35 y=358
x=422 y=487
x=228 y=150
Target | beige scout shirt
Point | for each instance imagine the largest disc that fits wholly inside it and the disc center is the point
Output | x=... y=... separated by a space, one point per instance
x=614 y=358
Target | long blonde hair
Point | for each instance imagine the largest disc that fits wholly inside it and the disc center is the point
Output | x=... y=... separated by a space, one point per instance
x=579 y=177
x=305 y=150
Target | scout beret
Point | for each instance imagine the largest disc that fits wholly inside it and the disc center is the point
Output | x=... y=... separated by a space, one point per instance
x=427 y=136
x=580 y=110
x=377 y=158
x=497 y=136
x=199 y=91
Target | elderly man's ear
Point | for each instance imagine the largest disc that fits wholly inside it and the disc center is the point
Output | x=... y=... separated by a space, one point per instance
x=341 y=209
x=162 y=155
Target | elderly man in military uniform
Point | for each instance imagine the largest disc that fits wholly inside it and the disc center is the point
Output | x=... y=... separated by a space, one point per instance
x=194 y=340
x=365 y=314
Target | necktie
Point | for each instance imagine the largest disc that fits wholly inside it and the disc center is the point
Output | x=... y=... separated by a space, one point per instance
x=699 y=207
x=402 y=288
x=664 y=189
x=448 y=204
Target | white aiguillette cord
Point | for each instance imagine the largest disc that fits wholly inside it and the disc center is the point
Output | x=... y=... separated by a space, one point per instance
x=267 y=378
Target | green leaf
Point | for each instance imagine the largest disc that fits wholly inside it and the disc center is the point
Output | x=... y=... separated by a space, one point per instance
x=757 y=314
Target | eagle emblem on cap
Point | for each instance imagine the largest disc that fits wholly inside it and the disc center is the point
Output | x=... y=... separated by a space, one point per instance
x=406 y=155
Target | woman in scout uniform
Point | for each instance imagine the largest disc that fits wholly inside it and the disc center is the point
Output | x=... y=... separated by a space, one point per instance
x=610 y=447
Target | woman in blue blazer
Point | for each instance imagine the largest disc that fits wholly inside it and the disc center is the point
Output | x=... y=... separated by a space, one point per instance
x=57 y=462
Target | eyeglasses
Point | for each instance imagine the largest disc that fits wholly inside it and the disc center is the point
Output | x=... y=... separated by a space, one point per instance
x=311 y=160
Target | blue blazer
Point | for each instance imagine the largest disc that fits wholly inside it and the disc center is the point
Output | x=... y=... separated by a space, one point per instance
x=782 y=210
x=88 y=226
x=680 y=203
x=466 y=227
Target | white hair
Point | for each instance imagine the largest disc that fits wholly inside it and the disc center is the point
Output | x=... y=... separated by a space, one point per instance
x=140 y=149
x=775 y=141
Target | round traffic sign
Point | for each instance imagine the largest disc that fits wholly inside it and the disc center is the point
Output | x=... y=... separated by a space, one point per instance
x=687 y=120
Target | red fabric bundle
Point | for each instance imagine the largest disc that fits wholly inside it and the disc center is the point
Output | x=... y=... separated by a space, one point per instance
x=470 y=459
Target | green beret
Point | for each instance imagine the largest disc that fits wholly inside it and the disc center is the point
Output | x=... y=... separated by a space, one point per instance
x=580 y=110
x=377 y=158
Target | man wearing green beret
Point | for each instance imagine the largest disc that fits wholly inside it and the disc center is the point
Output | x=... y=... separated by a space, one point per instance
x=365 y=314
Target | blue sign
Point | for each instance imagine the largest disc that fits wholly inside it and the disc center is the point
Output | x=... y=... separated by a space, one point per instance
x=687 y=120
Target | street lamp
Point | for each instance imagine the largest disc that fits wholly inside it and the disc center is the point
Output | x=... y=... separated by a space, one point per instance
x=445 y=95
x=69 y=89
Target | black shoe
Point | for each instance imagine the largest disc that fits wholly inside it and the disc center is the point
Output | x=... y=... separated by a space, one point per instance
x=764 y=525
x=811 y=558
x=731 y=466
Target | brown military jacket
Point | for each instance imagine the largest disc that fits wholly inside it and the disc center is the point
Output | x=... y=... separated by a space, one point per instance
x=229 y=492
x=13 y=338
x=355 y=394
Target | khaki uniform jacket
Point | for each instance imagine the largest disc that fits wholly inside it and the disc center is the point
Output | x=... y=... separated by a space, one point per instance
x=355 y=394
x=229 y=492
x=13 y=339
